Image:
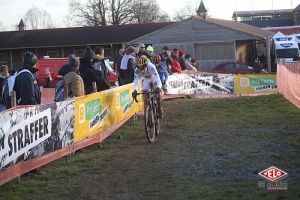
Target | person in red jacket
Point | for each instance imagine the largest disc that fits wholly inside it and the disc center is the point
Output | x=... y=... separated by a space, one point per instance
x=175 y=68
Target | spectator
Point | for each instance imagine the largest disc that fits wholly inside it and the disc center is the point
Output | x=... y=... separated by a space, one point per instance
x=175 y=53
x=87 y=71
x=99 y=63
x=194 y=63
x=169 y=60
x=161 y=66
x=188 y=63
x=181 y=60
x=72 y=78
x=175 y=68
x=118 y=59
x=26 y=84
x=3 y=76
x=48 y=78
x=257 y=64
x=127 y=66
x=141 y=50
x=149 y=53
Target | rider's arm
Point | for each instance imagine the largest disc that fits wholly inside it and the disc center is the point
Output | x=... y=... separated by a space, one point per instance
x=136 y=79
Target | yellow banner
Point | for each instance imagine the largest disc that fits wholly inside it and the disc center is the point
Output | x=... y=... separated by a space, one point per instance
x=99 y=111
x=255 y=83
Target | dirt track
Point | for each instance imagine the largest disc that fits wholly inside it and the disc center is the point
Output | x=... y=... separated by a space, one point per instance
x=189 y=162
x=207 y=149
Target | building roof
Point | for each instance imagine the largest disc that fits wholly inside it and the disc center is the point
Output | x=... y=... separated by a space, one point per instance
x=261 y=12
x=270 y=23
x=245 y=28
x=297 y=8
x=77 y=36
x=288 y=30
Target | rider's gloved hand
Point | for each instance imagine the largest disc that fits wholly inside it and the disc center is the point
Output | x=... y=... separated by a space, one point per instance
x=134 y=94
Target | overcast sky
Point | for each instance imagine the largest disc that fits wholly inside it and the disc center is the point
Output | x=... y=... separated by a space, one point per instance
x=11 y=11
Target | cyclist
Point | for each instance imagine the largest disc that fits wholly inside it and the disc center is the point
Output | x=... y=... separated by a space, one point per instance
x=147 y=71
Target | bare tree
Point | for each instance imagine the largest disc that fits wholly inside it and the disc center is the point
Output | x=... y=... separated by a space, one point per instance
x=2 y=27
x=145 y=11
x=184 y=13
x=103 y=12
x=120 y=11
x=93 y=12
x=36 y=18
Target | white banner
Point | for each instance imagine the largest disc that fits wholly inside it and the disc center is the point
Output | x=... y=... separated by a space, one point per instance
x=200 y=84
x=23 y=136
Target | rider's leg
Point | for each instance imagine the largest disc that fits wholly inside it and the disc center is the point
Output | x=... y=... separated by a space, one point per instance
x=146 y=88
x=158 y=88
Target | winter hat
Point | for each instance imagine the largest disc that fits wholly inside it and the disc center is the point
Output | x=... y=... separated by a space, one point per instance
x=30 y=58
x=73 y=61
x=141 y=45
x=180 y=53
x=187 y=56
x=88 y=54
x=150 y=48
x=166 y=48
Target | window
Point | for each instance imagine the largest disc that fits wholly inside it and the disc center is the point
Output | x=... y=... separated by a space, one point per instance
x=53 y=53
x=214 y=51
x=4 y=58
x=78 y=52
x=286 y=53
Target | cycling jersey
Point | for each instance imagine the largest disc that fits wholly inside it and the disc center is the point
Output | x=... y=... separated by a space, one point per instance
x=149 y=76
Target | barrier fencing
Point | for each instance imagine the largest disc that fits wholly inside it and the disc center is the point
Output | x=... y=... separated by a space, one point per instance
x=288 y=76
x=33 y=136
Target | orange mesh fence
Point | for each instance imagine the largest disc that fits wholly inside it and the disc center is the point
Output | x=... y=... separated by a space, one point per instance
x=288 y=80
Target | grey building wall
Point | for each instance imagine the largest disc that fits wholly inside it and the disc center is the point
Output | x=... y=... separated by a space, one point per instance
x=209 y=43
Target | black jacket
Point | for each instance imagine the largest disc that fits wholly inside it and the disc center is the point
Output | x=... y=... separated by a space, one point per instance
x=89 y=75
x=27 y=87
x=2 y=79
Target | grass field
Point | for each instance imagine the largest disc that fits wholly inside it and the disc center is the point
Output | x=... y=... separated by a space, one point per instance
x=208 y=149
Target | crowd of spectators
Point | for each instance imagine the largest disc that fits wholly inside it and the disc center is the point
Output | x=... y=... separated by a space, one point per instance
x=80 y=74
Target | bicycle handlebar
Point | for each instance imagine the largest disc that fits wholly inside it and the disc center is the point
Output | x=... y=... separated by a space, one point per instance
x=142 y=93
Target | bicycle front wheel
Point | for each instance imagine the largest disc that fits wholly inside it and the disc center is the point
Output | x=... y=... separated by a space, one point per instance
x=149 y=123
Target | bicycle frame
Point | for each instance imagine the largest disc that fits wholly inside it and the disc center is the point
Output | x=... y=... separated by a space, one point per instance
x=151 y=117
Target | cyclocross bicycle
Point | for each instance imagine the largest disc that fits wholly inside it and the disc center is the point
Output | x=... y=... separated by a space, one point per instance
x=151 y=115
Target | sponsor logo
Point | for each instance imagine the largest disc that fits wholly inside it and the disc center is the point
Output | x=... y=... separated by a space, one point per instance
x=244 y=82
x=287 y=45
x=265 y=88
x=98 y=119
x=284 y=39
x=274 y=177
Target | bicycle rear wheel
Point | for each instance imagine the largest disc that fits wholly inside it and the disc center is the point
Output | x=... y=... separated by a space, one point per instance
x=149 y=123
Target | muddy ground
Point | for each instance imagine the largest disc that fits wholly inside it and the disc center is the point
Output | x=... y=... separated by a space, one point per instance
x=207 y=149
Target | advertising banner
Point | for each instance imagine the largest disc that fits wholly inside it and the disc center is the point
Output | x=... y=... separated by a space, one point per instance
x=255 y=83
x=27 y=133
x=200 y=84
x=96 y=112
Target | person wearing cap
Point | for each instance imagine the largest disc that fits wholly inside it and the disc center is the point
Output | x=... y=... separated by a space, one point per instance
x=26 y=84
x=141 y=50
x=72 y=78
x=87 y=71
x=149 y=53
